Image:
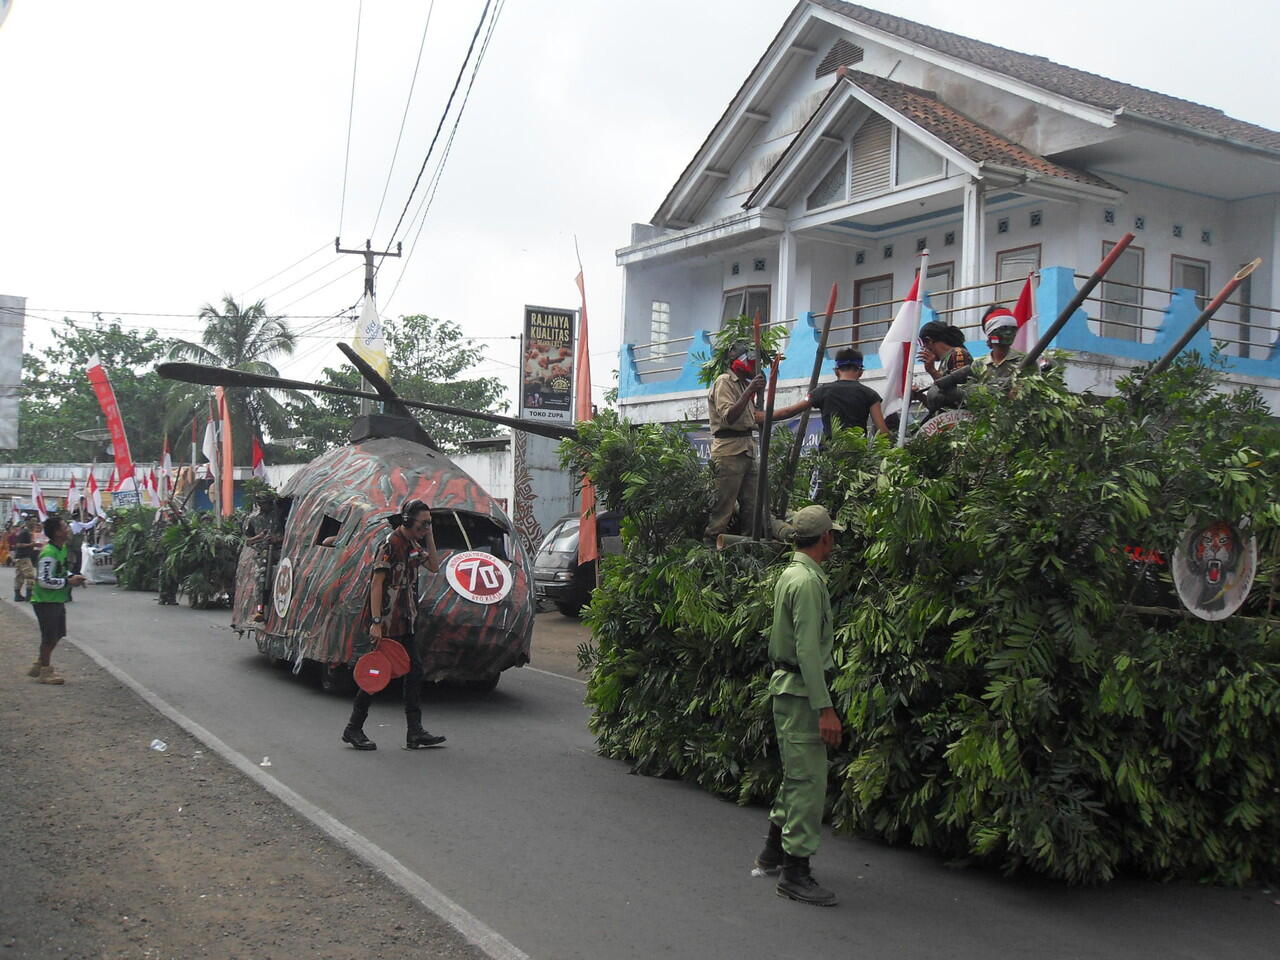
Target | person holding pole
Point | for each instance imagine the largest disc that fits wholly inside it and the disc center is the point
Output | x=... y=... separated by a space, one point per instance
x=844 y=401
x=800 y=648
x=734 y=414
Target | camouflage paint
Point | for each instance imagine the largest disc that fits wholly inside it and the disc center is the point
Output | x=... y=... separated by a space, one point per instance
x=326 y=620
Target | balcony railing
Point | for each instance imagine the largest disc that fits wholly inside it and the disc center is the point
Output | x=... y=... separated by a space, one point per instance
x=647 y=368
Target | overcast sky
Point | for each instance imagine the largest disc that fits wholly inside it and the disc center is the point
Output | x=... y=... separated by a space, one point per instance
x=159 y=154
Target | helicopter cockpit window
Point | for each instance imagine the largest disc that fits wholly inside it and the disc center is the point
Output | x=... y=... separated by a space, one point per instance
x=327 y=535
x=456 y=530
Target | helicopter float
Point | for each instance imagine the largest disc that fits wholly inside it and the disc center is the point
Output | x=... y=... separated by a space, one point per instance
x=475 y=615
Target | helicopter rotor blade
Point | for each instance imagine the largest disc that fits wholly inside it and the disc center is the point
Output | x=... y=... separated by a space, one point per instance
x=205 y=375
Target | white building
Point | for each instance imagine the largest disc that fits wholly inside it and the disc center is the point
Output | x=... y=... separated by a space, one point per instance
x=861 y=138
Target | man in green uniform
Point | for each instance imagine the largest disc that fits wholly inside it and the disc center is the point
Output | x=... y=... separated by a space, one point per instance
x=733 y=415
x=806 y=723
x=49 y=597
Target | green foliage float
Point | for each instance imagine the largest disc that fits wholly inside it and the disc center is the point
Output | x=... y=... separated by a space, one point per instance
x=1008 y=695
x=199 y=552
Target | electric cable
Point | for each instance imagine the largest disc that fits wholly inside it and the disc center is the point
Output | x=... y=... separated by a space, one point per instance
x=305 y=276
x=261 y=283
x=433 y=185
x=408 y=100
x=351 y=107
x=443 y=116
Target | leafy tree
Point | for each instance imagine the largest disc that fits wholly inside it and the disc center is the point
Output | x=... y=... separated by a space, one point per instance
x=428 y=357
x=57 y=399
x=238 y=338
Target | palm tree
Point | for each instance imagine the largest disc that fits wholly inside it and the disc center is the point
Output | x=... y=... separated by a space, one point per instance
x=239 y=339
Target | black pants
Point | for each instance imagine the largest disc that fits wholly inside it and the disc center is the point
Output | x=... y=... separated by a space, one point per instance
x=412 y=682
x=52 y=618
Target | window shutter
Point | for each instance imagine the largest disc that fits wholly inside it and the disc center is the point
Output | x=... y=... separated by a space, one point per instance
x=871 y=157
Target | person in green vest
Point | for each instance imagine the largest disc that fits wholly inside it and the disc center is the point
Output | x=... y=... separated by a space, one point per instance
x=49 y=596
x=806 y=723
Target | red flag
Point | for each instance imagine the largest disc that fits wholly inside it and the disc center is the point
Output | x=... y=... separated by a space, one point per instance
x=1024 y=312
x=259 y=462
x=73 y=495
x=115 y=423
x=113 y=481
x=588 y=549
x=228 y=458
x=37 y=497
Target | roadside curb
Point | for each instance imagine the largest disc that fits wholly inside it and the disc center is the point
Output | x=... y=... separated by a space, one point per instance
x=472 y=929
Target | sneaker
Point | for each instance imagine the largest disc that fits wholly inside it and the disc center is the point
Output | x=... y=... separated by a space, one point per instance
x=357 y=739
x=417 y=739
x=48 y=676
x=35 y=670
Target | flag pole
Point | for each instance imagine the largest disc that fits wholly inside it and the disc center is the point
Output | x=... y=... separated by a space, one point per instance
x=797 y=444
x=908 y=350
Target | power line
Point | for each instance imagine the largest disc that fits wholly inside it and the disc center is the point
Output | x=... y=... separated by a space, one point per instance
x=323 y=285
x=433 y=186
x=306 y=276
x=440 y=126
x=261 y=283
x=351 y=107
x=408 y=100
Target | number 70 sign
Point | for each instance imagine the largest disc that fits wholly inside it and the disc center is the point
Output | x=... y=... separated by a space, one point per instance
x=477 y=576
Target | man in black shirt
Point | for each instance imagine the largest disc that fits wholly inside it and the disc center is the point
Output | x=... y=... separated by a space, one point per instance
x=843 y=399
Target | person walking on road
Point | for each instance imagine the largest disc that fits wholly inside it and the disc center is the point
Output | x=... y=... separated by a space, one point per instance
x=393 y=608
x=24 y=557
x=49 y=597
x=806 y=723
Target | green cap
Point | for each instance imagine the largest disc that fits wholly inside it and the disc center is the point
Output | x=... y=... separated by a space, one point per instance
x=813 y=521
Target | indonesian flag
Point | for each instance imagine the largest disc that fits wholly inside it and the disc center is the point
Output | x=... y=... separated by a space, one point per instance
x=153 y=487
x=1024 y=312
x=93 y=496
x=166 y=472
x=210 y=449
x=73 y=496
x=113 y=481
x=587 y=547
x=37 y=497
x=259 y=462
x=897 y=349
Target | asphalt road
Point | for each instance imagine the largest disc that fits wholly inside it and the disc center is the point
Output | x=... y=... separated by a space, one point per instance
x=567 y=855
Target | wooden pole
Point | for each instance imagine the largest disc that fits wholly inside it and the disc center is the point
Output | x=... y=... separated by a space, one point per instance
x=797 y=444
x=760 y=523
x=1205 y=315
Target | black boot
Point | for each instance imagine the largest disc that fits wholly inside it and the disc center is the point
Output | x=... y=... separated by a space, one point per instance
x=417 y=739
x=355 y=736
x=18 y=597
x=797 y=883
x=769 y=860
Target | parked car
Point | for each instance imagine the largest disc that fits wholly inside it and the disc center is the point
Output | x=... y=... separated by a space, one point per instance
x=557 y=576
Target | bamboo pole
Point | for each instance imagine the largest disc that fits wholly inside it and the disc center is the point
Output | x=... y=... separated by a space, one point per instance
x=793 y=459
x=760 y=522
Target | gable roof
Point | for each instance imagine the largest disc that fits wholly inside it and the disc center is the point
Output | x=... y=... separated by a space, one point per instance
x=979 y=143
x=969 y=139
x=1078 y=85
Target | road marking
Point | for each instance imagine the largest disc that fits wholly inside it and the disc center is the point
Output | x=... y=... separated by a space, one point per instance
x=549 y=673
x=488 y=940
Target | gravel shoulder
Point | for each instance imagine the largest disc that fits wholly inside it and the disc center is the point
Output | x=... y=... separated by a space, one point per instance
x=111 y=849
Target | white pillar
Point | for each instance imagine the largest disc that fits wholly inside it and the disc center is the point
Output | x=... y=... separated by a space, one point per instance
x=971 y=244
x=784 y=293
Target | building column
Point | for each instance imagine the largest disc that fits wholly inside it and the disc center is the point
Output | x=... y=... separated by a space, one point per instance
x=972 y=253
x=784 y=293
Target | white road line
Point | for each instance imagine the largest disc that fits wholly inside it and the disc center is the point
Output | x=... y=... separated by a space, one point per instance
x=549 y=673
x=488 y=940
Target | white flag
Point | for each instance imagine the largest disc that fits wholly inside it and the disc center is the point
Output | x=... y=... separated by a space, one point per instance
x=897 y=349
x=371 y=339
x=210 y=448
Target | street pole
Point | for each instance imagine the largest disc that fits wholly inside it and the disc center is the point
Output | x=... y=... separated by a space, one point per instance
x=366 y=406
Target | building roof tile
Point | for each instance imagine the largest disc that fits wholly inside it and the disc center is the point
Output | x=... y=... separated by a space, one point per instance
x=1078 y=85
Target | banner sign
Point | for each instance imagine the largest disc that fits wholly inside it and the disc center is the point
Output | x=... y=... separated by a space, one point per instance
x=546 y=369
x=479 y=577
x=115 y=424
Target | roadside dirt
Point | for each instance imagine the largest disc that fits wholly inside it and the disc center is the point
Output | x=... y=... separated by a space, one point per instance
x=111 y=849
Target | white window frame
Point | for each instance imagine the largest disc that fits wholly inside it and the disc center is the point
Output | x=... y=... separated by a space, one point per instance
x=654 y=315
x=893 y=164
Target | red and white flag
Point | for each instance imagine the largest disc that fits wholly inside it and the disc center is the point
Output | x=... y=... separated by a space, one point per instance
x=1024 y=312
x=93 y=496
x=37 y=497
x=166 y=473
x=588 y=548
x=898 y=348
x=259 y=462
x=73 y=496
x=113 y=481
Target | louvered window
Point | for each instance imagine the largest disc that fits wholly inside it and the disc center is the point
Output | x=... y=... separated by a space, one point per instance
x=843 y=53
x=831 y=188
x=871 y=150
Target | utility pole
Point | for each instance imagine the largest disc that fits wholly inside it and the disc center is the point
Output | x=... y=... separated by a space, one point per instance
x=366 y=406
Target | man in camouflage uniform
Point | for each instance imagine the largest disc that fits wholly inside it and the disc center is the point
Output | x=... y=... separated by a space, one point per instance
x=806 y=723
x=733 y=415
